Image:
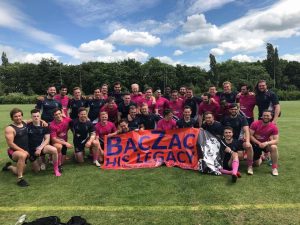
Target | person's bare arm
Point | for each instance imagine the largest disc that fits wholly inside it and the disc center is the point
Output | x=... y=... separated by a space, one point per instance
x=9 y=137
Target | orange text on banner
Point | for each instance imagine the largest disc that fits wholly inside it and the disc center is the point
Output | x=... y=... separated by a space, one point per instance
x=152 y=148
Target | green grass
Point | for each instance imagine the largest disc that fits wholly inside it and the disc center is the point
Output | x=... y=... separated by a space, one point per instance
x=162 y=195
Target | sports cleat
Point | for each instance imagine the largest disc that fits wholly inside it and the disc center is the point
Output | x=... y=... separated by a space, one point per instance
x=22 y=182
x=5 y=168
x=233 y=178
x=275 y=172
x=250 y=170
x=97 y=163
x=239 y=175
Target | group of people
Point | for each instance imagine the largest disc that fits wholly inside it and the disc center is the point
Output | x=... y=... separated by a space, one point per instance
x=227 y=114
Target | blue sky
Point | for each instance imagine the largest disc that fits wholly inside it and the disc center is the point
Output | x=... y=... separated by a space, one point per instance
x=174 y=31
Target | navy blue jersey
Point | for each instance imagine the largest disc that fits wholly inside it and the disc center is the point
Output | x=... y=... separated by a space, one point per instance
x=235 y=146
x=74 y=105
x=186 y=124
x=149 y=121
x=134 y=124
x=266 y=101
x=124 y=109
x=118 y=97
x=95 y=105
x=237 y=123
x=47 y=106
x=21 y=137
x=36 y=135
x=81 y=131
x=228 y=97
x=193 y=103
x=215 y=128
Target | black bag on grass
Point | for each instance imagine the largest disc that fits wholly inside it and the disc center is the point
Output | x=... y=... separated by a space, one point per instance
x=77 y=220
x=50 y=220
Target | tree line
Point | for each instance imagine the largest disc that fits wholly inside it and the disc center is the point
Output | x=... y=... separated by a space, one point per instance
x=30 y=79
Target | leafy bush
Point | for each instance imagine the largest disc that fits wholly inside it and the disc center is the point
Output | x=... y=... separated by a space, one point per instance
x=17 y=98
x=288 y=95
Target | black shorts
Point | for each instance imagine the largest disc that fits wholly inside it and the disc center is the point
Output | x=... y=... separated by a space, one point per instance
x=257 y=151
x=79 y=145
x=240 y=145
x=64 y=150
x=226 y=160
x=32 y=156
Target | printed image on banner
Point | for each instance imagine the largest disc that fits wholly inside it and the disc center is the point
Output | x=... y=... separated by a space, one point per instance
x=152 y=148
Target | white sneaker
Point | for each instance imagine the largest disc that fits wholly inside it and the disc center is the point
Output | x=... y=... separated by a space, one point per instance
x=43 y=166
x=275 y=172
x=97 y=163
x=250 y=170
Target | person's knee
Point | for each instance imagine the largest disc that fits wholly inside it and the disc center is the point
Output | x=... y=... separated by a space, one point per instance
x=273 y=148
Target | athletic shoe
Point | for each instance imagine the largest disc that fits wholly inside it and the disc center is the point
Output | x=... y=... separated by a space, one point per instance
x=60 y=169
x=97 y=163
x=233 y=178
x=250 y=170
x=239 y=175
x=275 y=172
x=5 y=168
x=43 y=166
x=22 y=183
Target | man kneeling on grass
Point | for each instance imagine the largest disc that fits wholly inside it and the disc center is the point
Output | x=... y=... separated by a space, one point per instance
x=229 y=153
x=17 y=140
x=39 y=139
x=83 y=136
x=264 y=138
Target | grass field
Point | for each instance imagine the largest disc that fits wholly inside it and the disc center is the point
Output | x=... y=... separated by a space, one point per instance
x=162 y=195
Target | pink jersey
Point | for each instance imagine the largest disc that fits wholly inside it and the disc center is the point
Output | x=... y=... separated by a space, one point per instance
x=60 y=129
x=247 y=104
x=162 y=104
x=64 y=101
x=166 y=125
x=102 y=130
x=112 y=112
x=150 y=102
x=213 y=107
x=136 y=98
x=263 y=132
x=177 y=107
x=216 y=98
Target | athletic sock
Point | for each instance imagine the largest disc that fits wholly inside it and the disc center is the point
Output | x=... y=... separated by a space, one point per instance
x=59 y=158
x=55 y=168
x=227 y=172
x=274 y=166
x=249 y=162
x=95 y=156
x=235 y=166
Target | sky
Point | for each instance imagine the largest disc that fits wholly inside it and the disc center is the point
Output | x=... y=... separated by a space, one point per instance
x=173 y=31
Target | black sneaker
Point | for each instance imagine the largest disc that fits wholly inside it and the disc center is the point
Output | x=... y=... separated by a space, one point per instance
x=22 y=183
x=234 y=178
x=60 y=169
x=5 y=168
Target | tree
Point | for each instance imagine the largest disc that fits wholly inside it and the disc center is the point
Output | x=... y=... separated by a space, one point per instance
x=4 y=59
x=214 y=70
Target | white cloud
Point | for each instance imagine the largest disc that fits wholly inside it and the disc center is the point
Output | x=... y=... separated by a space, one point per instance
x=291 y=57
x=89 y=12
x=167 y=60
x=125 y=37
x=178 y=52
x=18 y=55
x=97 y=46
x=14 y=19
x=200 y=6
x=123 y=55
x=217 y=51
x=246 y=34
x=245 y=58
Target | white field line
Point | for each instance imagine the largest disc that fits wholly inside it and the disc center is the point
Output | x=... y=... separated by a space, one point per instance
x=149 y=208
